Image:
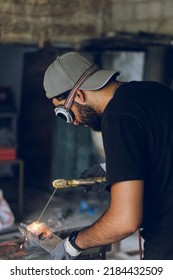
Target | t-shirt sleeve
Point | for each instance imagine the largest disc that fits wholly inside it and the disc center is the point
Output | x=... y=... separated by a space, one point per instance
x=125 y=148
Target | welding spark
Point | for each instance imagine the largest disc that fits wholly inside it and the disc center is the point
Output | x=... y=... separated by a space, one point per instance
x=39 y=229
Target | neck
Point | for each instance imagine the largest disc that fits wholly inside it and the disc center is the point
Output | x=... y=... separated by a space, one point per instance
x=116 y=87
x=101 y=97
x=108 y=93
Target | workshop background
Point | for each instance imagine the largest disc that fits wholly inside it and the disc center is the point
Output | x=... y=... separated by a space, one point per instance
x=135 y=36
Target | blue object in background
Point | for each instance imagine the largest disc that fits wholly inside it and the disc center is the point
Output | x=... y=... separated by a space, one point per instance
x=84 y=207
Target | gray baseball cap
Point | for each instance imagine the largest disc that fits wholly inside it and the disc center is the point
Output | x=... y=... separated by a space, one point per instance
x=66 y=70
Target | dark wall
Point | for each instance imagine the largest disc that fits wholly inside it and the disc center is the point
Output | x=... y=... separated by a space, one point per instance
x=36 y=120
x=11 y=67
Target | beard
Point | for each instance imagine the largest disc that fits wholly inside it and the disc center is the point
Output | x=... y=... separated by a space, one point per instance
x=89 y=117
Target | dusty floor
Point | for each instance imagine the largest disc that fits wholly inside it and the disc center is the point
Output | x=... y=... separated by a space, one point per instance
x=70 y=209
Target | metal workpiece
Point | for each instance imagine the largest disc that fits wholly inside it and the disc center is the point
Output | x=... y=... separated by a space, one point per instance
x=63 y=183
x=46 y=242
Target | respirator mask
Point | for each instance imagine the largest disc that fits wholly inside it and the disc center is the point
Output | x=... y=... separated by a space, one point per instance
x=64 y=111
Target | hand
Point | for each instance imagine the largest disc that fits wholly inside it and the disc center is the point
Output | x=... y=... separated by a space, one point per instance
x=59 y=253
x=65 y=250
x=98 y=170
x=95 y=171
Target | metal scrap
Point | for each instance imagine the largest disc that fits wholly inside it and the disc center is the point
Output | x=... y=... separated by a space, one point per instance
x=41 y=237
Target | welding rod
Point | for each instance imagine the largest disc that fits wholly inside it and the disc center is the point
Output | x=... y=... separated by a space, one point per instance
x=63 y=183
x=46 y=205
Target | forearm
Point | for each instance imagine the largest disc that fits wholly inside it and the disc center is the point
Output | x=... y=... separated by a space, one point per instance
x=105 y=231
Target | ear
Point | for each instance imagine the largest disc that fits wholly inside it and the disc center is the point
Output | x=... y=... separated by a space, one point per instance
x=80 y=96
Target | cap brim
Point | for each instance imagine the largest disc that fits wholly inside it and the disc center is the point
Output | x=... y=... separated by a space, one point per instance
x=98 y=79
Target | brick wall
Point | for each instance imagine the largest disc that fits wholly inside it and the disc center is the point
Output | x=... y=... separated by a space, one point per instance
x=35 y=21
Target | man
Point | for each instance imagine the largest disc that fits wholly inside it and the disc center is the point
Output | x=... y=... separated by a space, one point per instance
x=136 y=120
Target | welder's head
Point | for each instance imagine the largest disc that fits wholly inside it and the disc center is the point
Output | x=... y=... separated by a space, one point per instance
x=70 y=72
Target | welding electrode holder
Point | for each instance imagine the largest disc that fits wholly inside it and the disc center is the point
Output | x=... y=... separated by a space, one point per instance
x=62 y=183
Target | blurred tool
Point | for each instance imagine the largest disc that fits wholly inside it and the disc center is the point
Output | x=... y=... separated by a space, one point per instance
x=62 y=183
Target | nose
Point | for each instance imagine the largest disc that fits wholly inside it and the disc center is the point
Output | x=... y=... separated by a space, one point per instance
x=56 y=102
x=76 y=122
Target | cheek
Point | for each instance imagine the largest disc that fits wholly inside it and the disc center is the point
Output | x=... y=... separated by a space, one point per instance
x=75 y=111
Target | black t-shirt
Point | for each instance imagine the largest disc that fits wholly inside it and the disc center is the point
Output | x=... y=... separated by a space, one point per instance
x=137 y=128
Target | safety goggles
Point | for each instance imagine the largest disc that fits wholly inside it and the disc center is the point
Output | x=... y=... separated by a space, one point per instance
x=64 y=111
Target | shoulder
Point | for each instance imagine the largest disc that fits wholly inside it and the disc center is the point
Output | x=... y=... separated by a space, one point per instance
x=141 y=85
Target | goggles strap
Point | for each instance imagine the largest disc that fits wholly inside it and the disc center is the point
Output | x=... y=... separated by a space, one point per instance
x=90 y=71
